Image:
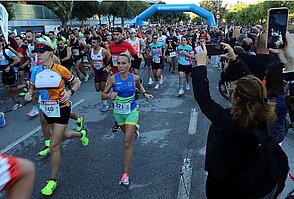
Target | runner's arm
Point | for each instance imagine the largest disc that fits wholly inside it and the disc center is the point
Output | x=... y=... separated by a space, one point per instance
x=110 y=82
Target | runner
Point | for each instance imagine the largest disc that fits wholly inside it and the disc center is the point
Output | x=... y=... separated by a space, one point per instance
x=76 y=48
x=98 y=57
x=16 y=177
x=138 y=46
x=148 y=56
x=125 y=109
x=157 y=49
x=170 y=51
x=55 y=105
x=30 y=37
x=65 y=56
x=116 y=47
x=8 y=61
x=185 y=54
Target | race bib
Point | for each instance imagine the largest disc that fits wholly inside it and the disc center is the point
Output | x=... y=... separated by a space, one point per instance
x=75 y=52
x=51 y=108
x=156 y=60
x=97 y=65
x=114 y=60
x=122 y=108
x=172 y=54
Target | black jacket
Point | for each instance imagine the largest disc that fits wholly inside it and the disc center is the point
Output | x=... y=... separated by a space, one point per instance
x=231 y=149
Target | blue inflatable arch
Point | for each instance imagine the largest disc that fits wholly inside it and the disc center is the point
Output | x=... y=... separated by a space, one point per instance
x=175 y=8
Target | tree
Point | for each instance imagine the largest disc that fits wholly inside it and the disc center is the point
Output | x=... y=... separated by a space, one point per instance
x=83 y=10
x=63 y=9
x=9 y=8
x=105 y=8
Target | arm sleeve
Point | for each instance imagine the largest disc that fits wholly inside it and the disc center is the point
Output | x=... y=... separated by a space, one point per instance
x=208 y=106
x=131 y=49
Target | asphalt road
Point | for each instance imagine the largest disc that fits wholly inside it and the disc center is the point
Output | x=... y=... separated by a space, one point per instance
x=168 y=158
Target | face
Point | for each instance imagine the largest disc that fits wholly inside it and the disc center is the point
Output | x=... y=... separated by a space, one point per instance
x=72 y=37
x=123 y=64
x=95 y=43
x=117 y=36
x=45 y=56
x=29 y=37
x=60 y=44
x=155 y=39
x=184 y=41
x=108 y=39
x=51 y=36
x=18 y=40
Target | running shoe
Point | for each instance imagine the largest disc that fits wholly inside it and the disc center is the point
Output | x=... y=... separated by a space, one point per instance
x=86 y=78
x=156 y=86
x=115 y=128
x=137 y=134
x=80 y=123
x=181 y=92
x=161 y=79
x=49 y=188
x=125 y=179
x=22 y=94
x=187 y=87
x=44 y=151
x=104 y=108
x=33 y=112
x=2 y=120
x=16 y=106
x=84 y=138
x=150 y=81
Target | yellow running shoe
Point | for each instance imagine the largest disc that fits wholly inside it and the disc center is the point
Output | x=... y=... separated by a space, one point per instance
x=84 y=138
x=80 y=123
x=49 y=188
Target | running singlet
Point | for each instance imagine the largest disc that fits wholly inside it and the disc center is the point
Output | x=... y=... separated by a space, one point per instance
x=63 y=54
x=51 y=82
x=156 y=50
x=75 y=48
x=97 y=59
x=124 y=102
x=184 y=60
x=136 y=45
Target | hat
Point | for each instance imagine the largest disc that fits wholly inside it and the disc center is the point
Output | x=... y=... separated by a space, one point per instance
x=117 y=29
x=43 y=46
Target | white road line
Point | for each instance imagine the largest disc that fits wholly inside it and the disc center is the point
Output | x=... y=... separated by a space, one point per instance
x=185 y=179
x=32 y=132
x=193 y=122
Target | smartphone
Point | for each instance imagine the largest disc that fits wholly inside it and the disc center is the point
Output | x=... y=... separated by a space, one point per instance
x=214 y=49
x=277 y=22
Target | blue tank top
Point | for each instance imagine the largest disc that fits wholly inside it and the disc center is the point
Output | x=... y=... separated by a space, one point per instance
x=125 y=89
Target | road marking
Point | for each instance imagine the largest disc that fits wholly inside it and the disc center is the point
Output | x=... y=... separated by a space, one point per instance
x=193 y=122
x=185 y=179
x=32 y=132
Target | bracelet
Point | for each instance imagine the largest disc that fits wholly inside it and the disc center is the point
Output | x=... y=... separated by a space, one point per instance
x=72 y=91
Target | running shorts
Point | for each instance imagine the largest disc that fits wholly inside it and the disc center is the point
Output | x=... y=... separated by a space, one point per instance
x=185 y=68
x=131 y=118
x=136 y=63
x=100 y=76
x=148 y=62
x=64 y=116
x=10 y=172
x=156 y=66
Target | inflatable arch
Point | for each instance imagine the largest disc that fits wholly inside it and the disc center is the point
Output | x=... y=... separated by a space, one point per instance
x=175 y=8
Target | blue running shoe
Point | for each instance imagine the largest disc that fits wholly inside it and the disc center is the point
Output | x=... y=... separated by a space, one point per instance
x=104 y=108
x=2 y=120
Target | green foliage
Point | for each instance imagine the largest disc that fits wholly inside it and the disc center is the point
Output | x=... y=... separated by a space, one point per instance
x=9 y=8
x=83 y=10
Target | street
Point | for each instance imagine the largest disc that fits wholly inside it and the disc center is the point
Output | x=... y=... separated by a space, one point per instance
x=168 y=158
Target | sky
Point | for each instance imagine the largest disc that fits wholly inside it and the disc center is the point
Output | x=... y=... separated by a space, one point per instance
x=229 y=2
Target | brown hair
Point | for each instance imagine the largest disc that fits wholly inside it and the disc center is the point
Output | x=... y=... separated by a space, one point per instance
x=250 y=105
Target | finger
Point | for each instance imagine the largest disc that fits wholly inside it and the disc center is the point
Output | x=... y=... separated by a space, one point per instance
x=275 y=51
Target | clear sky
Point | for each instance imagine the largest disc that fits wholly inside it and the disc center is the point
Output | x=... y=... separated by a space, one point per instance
x=229 y=2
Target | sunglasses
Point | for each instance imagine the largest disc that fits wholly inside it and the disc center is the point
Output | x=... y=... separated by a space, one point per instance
x=123 y=63
x=154 y=37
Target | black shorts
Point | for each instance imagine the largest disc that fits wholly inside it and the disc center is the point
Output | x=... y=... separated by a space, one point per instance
x=64 y=116
x=136 y=63
x=156 y=66
x=148 y=61
x=9 y=78
x=185 y=68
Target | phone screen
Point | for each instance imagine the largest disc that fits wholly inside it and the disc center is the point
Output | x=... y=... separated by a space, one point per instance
x=277 y=27
x=214 y=49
